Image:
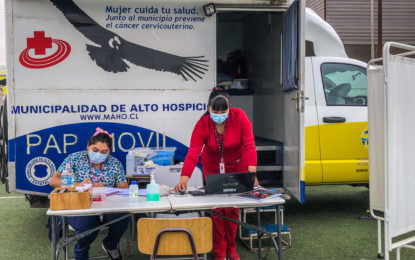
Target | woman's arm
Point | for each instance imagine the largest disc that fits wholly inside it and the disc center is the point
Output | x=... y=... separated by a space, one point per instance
x=55 y=181
x=123 y=185
x=197 y=142
x=120 y=179
x=248 y=142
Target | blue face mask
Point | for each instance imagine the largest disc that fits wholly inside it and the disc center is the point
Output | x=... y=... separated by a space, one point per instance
x=97 y=158
x=219 y=118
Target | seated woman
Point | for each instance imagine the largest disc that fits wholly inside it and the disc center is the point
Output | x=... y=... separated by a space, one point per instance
x=96 y=166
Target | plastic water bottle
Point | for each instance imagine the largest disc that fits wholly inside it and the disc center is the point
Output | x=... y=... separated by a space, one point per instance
x=67 y=179
x=153 y=190
x=130 y=162
x=133 y=191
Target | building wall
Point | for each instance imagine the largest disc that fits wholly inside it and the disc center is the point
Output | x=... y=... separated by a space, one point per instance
x=351 y=20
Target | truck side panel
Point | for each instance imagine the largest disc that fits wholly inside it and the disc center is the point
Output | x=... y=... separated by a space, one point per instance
x=132 y=68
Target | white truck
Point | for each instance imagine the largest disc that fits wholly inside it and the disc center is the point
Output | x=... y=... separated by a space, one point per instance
x=144 y=69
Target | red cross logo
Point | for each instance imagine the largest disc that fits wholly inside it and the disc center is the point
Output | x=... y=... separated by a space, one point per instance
x=40 y=43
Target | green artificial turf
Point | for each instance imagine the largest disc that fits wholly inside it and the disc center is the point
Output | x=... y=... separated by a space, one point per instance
x=327 y=226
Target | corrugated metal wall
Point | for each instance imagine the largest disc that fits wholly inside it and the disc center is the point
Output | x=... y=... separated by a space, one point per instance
x=399 y=21
x=351 y=19
x=317 y=6
x=2 y=35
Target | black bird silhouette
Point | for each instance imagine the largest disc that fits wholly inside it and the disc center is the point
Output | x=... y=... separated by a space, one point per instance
x=114 y=49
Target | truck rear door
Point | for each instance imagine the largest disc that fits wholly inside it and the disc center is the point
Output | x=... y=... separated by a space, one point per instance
x=294 y=101
x=341 y=99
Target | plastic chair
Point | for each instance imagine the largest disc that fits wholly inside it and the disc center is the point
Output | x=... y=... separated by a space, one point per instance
x=170 y=176
x=173 y=237
x=251 y=234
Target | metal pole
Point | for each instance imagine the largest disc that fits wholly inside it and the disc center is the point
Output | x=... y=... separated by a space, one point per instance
x=279 y=231
x=380 y=239
x=53 y=237
x=379 y=54
x=258 y=216
x=372 y=30
x=64 y=235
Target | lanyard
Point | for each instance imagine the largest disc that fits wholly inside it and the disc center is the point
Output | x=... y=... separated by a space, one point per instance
x=221 y=145
x=101 y=171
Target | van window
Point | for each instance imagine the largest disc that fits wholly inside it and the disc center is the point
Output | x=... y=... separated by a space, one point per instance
x=344 y=84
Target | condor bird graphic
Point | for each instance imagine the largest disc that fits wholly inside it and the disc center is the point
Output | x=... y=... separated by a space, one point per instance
x=113 y=49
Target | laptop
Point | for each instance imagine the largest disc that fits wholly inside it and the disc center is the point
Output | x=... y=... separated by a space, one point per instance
x=229 y=183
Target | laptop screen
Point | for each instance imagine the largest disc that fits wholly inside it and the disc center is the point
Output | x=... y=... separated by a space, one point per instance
x=229 y=182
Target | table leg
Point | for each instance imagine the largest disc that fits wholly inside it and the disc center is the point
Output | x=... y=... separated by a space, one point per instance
x=258 y=216
x=279 y=232
x=64 y=235
x=260 y=230
x=54 y=238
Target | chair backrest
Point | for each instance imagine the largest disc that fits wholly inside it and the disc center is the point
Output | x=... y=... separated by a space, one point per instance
x=170 y=176
x=174 y=243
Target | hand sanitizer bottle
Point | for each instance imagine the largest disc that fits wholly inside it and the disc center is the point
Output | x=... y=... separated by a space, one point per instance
x=67 y=179
x=153 y=190
x=133 y=190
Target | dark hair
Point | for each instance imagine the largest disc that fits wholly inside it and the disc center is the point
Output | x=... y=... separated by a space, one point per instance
x=101 y=137
x=219 y=100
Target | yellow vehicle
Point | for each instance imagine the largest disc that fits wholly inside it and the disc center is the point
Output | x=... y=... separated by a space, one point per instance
x=3 y=81
x=335 y=120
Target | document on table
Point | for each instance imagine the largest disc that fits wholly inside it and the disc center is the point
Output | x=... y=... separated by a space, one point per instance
x=126 y=192
x=259 y=194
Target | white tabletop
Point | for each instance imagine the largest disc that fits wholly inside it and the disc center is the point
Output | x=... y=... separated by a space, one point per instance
x=117 y=204
x=189 y=202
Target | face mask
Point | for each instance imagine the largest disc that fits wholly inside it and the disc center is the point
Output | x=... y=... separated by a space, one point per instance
x=219 y=118
x=97 y=158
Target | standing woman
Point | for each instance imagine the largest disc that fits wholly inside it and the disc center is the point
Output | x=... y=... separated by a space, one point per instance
x=223 y=135
x=96 y=166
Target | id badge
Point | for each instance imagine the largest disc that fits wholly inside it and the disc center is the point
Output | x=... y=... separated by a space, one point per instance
x=221 y=167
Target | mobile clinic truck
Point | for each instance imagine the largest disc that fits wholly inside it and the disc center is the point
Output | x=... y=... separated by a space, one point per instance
x=144 y=69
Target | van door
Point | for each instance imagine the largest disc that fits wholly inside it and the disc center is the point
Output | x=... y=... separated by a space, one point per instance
x=294 y=102
x=341 y=98
x=312 y=168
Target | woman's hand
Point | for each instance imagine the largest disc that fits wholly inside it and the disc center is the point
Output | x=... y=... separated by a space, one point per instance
x=256 y=182
x=182 y=184
x=253 y=169
x=122 y=185
x=97 y=184
x=55 y=181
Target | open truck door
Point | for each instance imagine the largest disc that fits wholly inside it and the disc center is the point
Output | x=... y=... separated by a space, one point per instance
x=293 y=53
x=273 y=60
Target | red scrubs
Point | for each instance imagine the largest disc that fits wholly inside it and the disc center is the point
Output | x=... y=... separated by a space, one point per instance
x=239 y=153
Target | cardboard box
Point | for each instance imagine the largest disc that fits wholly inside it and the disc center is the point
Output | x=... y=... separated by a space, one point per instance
x=70 y=200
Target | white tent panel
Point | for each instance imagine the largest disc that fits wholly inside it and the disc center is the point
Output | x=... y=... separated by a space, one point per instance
x=400 y=145
x=376 y=112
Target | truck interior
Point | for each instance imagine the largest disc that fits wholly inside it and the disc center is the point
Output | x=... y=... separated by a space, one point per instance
x=249 y=58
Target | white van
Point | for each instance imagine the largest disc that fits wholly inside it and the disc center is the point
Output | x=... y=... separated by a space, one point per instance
x=144 y=69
